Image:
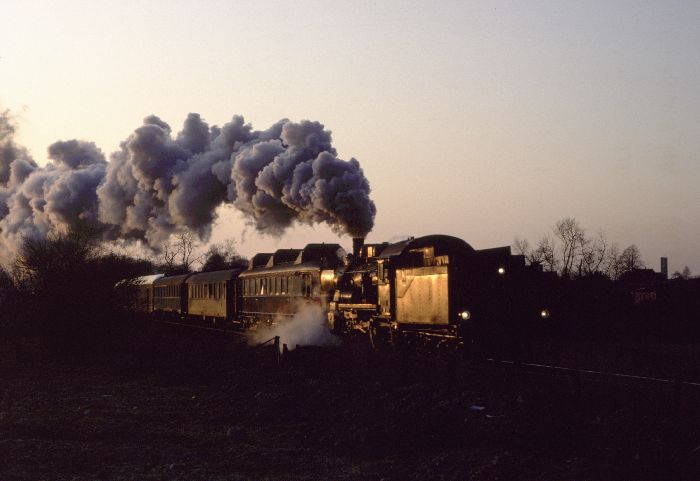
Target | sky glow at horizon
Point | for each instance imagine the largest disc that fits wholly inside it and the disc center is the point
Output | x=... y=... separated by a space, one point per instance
x=484 y=120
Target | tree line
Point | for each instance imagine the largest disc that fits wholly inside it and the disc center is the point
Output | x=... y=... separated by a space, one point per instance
x=60 y=289
x=572 y=253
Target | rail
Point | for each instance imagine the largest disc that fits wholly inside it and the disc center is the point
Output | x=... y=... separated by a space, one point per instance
x=573 y=370
x=203 y=328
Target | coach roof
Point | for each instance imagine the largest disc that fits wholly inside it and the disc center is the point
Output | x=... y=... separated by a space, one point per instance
x=213 y=276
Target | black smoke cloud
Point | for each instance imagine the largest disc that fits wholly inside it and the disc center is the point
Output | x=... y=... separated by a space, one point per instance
x=159 y=183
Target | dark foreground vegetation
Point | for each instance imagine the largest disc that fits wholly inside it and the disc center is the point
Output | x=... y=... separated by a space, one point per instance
x=204 y=407
x=90 y=391
x=60 y=291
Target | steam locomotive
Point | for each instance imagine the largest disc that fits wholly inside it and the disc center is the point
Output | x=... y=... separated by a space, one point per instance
x=439 y=290
x=435 y=288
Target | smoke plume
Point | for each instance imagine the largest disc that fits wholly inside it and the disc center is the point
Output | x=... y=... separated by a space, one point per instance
x=308 y=327
x=35 y=201
x=159 y=183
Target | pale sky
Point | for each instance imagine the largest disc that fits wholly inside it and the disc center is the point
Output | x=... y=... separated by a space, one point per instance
x=482 y=119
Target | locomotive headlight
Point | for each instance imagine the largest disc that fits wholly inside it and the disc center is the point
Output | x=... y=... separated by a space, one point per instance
x=465 y=315
x=501 y=271
x=544 y=314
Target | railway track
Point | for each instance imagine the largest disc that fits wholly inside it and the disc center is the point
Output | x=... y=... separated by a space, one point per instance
x=231 y=332
x=572 y=372
x=593 y=373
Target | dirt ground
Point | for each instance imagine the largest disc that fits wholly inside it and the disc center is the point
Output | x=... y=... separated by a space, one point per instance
x=202 y=407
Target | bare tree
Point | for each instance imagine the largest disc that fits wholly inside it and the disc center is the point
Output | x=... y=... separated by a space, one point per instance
x=223 y=256
x=684 y=274
x=57 y=252
x=573 y=238
x=521 y=247
x=546 y=254
x=180 y=252
x=618 y=263
x=630 y=259
x=611 y=265
x=593 y=255
x=168 y=256
x=187 y=245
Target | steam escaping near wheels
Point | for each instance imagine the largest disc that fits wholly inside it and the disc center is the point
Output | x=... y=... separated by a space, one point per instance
x=159 y=183
x=308 y=327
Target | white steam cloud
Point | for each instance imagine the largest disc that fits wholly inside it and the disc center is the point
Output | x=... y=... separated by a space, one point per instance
x=308 y=327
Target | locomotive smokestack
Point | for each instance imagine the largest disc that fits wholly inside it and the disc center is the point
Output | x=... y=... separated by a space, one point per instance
x=357 y=243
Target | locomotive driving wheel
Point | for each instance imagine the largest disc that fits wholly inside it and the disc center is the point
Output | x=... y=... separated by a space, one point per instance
x=381 y=337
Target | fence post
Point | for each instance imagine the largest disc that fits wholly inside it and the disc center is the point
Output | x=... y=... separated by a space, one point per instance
x=277 y=350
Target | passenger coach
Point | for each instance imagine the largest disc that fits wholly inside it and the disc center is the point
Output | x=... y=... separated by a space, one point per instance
x=278 y=284
x=170 y=295
x=213 y=296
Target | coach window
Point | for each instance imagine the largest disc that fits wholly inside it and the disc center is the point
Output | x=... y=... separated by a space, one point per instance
x=306 y=285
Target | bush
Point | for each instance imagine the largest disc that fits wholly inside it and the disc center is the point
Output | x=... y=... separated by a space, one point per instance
x=69 y=282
